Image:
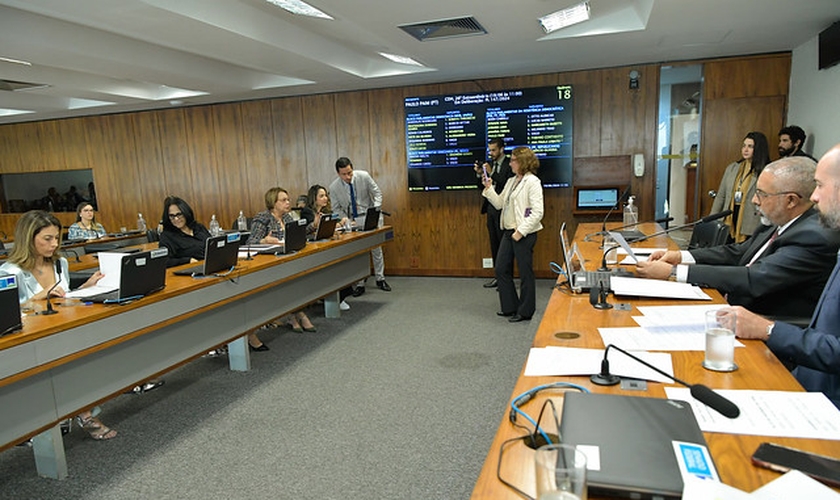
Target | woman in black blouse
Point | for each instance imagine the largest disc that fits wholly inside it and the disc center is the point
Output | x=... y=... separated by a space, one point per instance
x=185 y=238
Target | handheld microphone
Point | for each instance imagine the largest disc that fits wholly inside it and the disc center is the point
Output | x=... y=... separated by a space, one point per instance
x=49 y=310
x=603 y=230
x=699 y=391
x=708 y=218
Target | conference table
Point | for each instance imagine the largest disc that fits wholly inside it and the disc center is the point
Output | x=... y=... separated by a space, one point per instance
x=62 y=364
x=571 y=321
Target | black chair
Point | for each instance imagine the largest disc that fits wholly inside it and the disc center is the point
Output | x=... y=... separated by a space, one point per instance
x=708 y=234
x=152 y=235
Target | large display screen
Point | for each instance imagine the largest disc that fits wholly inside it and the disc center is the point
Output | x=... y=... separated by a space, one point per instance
x=445 y=135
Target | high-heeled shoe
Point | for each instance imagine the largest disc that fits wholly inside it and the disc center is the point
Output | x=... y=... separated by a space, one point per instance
x=259 y=348
x=296 y=328
x=95 y=428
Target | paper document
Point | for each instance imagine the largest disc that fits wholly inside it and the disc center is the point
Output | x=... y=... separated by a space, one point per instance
x=642 y=250
x=792 y=484
x=110 y=265
x=656 y=339
x=641 y=287
x=768 y=413
x=619 y=238
x=567 y=361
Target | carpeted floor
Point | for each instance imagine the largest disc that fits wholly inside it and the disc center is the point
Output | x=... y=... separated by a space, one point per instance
x=398 y=399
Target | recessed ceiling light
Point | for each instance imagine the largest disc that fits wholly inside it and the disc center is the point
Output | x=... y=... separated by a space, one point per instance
x=565 y=17
x=400 y=59
x=300 y=8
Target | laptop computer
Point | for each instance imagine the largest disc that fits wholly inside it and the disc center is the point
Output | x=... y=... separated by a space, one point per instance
x=326 y=228
x=295 y=236
x=220 y=253
x=10 y=320
x=580 y=279
x=140 y=274
x=371 y=220
x=634 y=437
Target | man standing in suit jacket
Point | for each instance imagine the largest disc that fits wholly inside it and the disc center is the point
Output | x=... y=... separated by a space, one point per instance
x=781 y=269
x=352 y=193
x=499 y=171
x=814 y=351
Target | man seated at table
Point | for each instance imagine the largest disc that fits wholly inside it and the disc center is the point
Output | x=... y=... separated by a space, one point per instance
x=815 y=350
x=781 y=269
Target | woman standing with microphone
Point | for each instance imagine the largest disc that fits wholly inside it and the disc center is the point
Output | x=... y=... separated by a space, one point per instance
x=521 y=203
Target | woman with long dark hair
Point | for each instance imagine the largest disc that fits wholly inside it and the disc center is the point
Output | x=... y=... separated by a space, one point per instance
x=737 y=187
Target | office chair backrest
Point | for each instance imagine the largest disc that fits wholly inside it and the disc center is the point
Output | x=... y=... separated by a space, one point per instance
x=709 y=234
x=152 y=235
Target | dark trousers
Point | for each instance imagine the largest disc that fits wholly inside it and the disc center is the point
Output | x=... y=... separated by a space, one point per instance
x=525 y=303
x=494 y=230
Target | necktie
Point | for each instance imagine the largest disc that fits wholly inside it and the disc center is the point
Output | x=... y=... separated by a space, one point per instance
x=765 y=247
x=353 y=209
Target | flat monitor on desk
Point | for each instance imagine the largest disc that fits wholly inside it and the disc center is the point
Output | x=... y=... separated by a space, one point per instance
x=220 y=254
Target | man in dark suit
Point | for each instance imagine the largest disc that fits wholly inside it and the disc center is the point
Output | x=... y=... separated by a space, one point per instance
x=498 y=169
x=791 y=142
x=813 y=351
x=781 y=269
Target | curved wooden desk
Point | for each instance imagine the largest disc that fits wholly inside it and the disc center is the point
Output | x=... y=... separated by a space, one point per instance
x=62 y=364
x=759 y=369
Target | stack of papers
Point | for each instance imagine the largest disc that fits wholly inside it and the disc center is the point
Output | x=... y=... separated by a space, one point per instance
x=664 y=328
x=567 y=361
x=640 y=287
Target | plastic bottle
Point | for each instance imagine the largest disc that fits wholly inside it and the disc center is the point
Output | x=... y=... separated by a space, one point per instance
x=215 y=229
x=141 y=223
x=631 y=212
x=241 y=222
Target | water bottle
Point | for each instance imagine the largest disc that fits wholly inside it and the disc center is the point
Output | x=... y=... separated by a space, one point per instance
x=241 y=222
x=280 y=234
x=141 y=223
x=631 y=212
x=215 y=229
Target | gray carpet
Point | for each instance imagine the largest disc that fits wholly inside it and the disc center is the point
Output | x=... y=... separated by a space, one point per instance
x=398 y=399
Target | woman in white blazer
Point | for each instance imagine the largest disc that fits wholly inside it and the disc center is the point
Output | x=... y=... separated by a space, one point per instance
x=521 y=203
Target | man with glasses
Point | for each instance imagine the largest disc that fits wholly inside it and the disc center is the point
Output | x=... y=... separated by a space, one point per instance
x=782 y=268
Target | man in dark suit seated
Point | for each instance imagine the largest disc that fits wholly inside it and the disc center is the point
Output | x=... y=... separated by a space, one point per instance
x=781 y=269
x=814 y=351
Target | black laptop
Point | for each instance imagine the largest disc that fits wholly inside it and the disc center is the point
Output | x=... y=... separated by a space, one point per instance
x=295 y=236
x=326 y=228
x=141 y=274
x=10 y=320
x=371 y=220
x=635 y=438
x=220 y=253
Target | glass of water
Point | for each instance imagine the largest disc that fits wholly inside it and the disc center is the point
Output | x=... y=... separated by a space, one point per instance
x=720 y=340
x=560 y=472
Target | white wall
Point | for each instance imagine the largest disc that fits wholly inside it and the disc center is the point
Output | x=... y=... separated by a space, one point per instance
x=814 y=99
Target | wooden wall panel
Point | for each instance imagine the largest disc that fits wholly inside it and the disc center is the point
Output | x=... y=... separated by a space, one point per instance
x=222 y=158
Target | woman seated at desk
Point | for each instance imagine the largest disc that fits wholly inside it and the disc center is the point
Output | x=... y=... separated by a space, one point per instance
x=186 y=238
x=269 y=227
x=85 y=227
x=318 y=204
x=33 y=262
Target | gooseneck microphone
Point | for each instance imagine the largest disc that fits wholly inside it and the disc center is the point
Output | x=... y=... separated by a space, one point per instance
x=49 y=310
x=699 y=391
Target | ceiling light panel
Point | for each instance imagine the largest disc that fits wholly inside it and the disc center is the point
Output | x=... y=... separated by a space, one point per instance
x=300 y=8
x=565 y=17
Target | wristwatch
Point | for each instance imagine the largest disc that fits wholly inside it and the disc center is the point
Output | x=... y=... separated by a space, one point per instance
x=770 y=330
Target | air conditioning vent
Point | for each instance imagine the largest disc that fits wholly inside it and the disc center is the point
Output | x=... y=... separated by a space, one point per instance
x=445 y=28
x=14 y=86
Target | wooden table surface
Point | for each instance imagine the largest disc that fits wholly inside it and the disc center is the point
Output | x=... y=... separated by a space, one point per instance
x=568 y=313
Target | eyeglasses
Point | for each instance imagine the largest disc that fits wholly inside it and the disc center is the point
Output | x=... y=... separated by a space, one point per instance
x=764 y=194
x=175 y=216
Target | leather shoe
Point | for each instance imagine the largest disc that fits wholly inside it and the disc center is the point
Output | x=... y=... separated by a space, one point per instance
x=383 y=285
x=260 y=348
x=358 y=291
x=501 y=313
x=517 y=318
x=491 y=284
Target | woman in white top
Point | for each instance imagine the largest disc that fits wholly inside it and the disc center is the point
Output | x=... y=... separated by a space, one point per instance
x=521 y=203
x=33 y=261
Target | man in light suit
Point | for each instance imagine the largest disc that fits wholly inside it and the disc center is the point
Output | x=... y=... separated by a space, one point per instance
x=498 y=169
x=790 y=252
x=815 y=350
x=352 y=193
